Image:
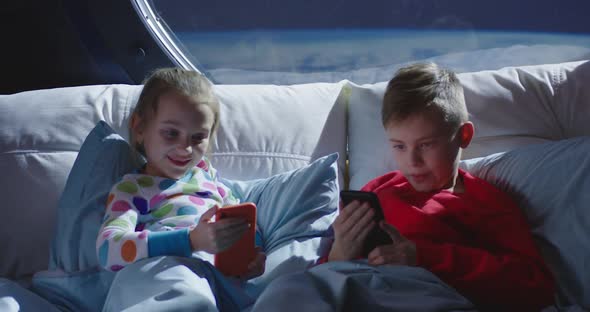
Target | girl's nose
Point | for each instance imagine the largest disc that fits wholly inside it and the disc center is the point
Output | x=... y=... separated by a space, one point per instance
x=185 y=146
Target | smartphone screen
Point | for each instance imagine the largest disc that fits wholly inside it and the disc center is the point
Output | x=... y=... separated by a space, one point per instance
x=234 y=260
x=377 y=236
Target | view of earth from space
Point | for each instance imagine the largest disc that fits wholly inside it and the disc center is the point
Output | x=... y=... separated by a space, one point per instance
x=368 y=56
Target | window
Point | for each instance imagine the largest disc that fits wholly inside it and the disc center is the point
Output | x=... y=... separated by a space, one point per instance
x=300 y=41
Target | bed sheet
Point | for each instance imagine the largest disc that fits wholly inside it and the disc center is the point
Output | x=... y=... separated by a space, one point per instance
x=14 y=298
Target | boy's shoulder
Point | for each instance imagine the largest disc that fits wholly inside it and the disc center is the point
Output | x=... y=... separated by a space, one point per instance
x=474 y=186
x=479 y=192
x=482 y=190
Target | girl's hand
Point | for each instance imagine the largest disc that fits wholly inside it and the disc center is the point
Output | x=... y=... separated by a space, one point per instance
x=214 y=237
x=351 y=227
x=402 y=251
x=256 y=267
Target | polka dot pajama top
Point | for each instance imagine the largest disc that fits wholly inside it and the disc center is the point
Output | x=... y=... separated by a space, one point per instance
x=148 y=216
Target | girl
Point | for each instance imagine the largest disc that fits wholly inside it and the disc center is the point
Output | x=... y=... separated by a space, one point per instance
x=166 y=207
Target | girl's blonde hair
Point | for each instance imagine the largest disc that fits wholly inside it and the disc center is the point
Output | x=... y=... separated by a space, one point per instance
x=424 y=87
x=189 y=83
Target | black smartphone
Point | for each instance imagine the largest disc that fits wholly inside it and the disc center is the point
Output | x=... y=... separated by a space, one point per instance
x=377 y=236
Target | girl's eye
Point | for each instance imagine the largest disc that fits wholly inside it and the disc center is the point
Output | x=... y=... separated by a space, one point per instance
x=197 y=139
x=169 y=133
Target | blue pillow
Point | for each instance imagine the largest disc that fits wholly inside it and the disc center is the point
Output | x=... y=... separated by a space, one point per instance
x=103 y=159
x=294 y=207
x=74 y=280
x=295 y=210
x=551 y=183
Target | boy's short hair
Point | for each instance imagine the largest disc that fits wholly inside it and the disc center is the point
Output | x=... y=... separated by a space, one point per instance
x=187 y=82
x=424 y=87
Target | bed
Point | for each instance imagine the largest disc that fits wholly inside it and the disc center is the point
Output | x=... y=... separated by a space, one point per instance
x=290 y=149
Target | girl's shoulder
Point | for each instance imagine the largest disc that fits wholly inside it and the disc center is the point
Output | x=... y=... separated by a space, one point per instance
x=137 y=180
x=205 y=166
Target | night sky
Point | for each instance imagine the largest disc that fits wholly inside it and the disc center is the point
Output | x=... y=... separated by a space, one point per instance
x=218 y=15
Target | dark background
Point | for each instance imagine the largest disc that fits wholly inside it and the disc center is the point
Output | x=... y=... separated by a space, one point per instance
x=55 y=43
x=525 y=15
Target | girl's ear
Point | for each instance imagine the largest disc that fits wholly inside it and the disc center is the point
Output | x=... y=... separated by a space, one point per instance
x=466 y=133
x=136 y=135
x=137 y=127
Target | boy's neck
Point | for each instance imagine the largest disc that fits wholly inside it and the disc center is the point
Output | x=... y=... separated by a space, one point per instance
x=458 y=185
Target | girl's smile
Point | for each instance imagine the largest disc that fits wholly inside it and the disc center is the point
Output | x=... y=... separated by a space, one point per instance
x=179 y=163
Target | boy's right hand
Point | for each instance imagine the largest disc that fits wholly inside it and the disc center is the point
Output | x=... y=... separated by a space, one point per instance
x=351 y=228
x=217 y=236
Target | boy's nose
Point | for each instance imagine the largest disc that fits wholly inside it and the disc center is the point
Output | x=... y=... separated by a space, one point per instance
x=416 y=158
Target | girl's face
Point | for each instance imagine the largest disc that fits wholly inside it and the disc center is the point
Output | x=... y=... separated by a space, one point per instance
x=177 y=136
x=426 y=153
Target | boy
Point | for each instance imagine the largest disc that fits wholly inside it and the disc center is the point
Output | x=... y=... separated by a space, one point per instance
x=462 y=229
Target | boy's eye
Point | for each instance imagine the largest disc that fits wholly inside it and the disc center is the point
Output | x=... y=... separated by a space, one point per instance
x=398 y=147
x=426 y=145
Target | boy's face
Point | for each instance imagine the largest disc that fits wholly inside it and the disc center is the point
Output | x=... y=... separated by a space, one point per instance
x=426 y=151
x=177 y=136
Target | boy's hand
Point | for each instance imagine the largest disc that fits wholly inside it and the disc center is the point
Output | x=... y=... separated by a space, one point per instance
x=402 y=251
x=351 y=227
x=217 y=236
x=256 y=267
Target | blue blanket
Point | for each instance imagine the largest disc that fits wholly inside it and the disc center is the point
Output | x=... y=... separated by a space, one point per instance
x=356 y=286
x=175 y=284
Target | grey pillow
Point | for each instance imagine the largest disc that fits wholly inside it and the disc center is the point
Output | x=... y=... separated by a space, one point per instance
x=551 y=183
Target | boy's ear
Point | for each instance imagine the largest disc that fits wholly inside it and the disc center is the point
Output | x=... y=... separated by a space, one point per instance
x=466 y=133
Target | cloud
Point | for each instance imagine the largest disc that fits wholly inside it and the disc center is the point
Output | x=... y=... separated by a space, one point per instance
x=369 y=56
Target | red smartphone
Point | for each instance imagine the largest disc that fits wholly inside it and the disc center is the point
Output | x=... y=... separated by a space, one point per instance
x=234 y=260
x=377 y=236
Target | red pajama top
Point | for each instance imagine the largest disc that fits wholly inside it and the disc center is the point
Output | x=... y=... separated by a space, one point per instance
x=477 y=241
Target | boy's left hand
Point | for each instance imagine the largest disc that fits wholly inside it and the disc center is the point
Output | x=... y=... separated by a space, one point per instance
x=402 y=251
x=256 y=267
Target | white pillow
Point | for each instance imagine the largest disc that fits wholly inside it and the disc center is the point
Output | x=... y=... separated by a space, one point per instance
x=517 y=106
x=510 y=107
x=264 y=130
x=551 y=183
x=40 y=135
